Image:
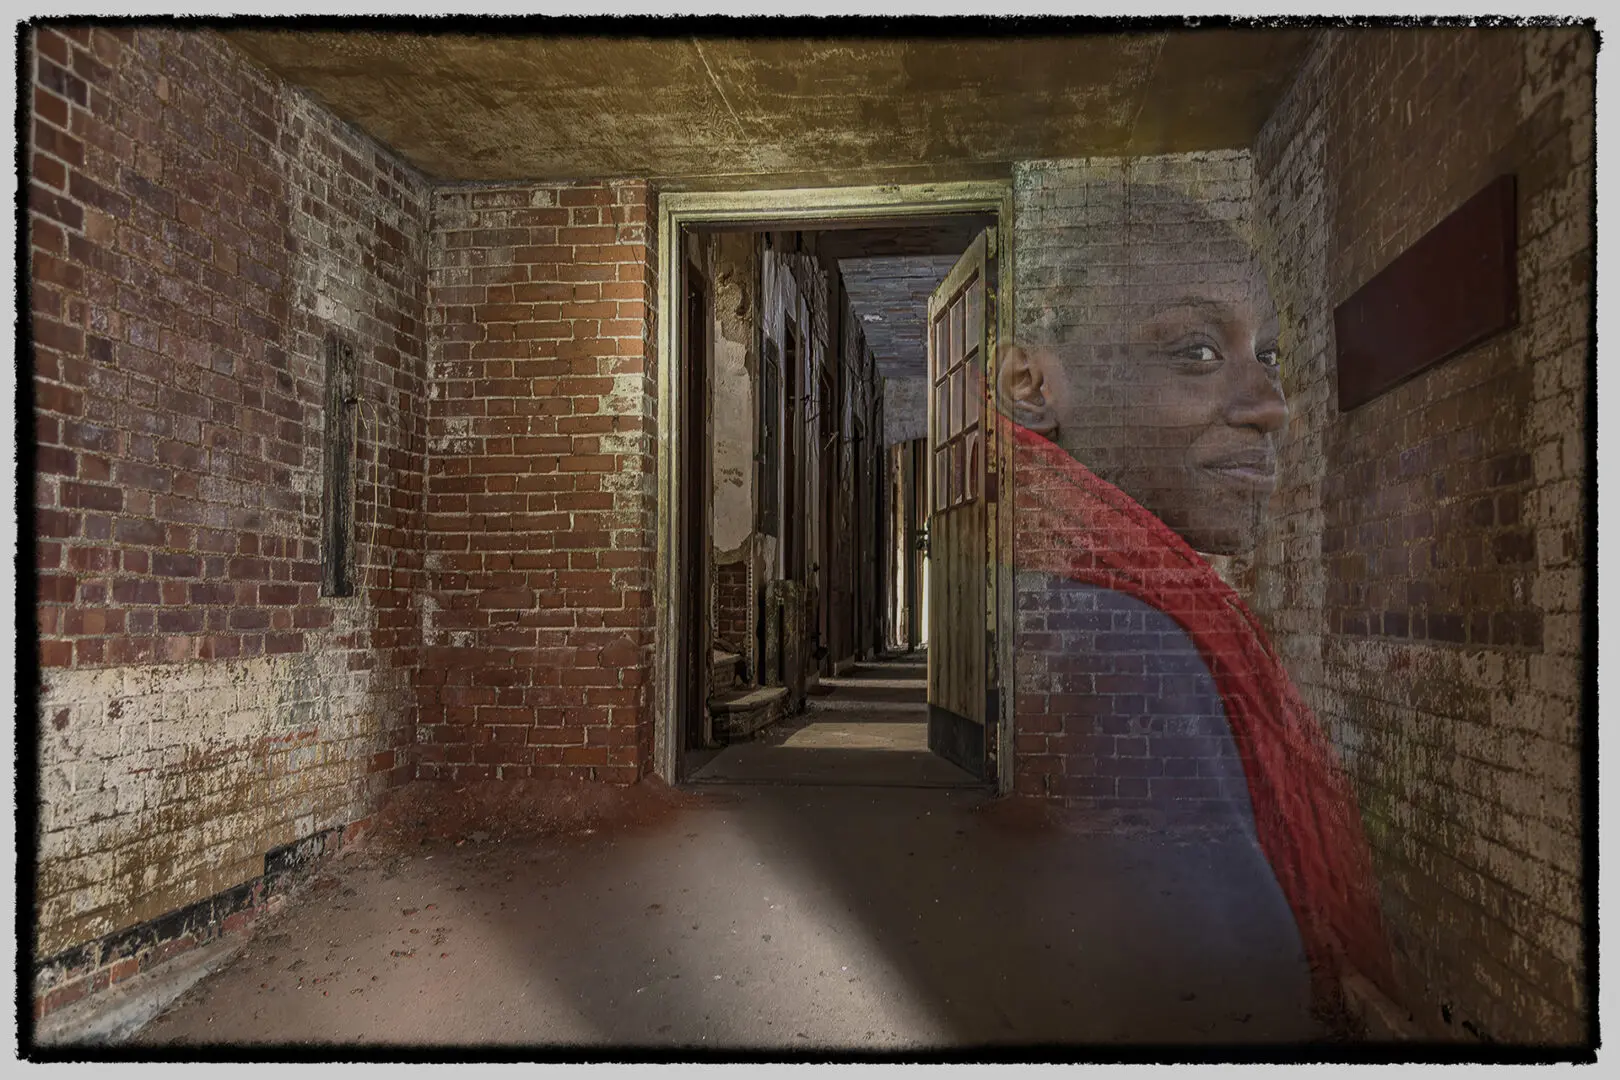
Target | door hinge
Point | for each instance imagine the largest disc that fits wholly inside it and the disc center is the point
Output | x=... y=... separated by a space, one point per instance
x=990 y=487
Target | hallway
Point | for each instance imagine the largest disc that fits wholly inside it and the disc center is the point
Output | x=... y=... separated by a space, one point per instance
x=811 y=540
x=792 y=918
x=867 y=727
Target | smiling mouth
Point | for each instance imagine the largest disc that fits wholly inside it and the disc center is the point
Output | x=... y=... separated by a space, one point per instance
x=1257 y=471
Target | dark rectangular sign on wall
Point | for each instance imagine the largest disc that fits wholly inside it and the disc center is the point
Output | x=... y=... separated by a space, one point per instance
x=1452 y=289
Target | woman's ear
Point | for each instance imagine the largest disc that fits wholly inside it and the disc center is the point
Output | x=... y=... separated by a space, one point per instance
x=1023 y=386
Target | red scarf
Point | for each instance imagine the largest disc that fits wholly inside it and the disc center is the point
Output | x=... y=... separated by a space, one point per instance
x=1072 y=524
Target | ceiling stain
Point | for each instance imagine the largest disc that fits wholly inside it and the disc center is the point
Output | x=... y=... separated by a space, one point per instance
x=728 y=113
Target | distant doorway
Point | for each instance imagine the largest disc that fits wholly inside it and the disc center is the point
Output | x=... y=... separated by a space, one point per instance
x=814 y=561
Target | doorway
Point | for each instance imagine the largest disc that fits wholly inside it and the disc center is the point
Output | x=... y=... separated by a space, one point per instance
x=824 y=550
x=695 y=519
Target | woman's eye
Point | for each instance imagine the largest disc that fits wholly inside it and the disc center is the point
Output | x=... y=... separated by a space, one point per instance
x=1203 y=354
x=1268 y=357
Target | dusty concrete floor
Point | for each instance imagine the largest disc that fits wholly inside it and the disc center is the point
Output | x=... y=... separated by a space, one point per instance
x=780 y=917
x=795 y=918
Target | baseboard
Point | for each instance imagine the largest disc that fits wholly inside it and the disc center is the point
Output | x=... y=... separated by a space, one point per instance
x=120 y=1011
x=73 y=976
x=1380 y=1017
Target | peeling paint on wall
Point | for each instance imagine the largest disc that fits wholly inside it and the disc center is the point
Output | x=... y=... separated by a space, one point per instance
x=200 y=703
x=163 y=785
x=733 y=411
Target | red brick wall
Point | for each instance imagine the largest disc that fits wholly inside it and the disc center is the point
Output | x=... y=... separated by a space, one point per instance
x=1422 y=574
x=195 y=229
x=731 y=607
x=540 y=484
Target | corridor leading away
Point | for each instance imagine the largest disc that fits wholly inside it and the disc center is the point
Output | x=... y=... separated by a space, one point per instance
x=867 y=727
x=787 y=538
x=790 y=917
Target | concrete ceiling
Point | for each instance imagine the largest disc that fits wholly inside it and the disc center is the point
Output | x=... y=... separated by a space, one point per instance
x=712 y=112
x=890 y=297
x=934 y=234
x=889 y=272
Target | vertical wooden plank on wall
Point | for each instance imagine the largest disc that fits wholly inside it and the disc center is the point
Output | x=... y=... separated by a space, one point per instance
x=337 y=472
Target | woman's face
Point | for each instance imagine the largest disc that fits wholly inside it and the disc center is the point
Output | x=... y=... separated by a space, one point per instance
x=1178 y=402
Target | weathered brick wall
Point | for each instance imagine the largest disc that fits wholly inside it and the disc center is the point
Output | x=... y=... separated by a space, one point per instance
x=1114 y=711
x=1422 y=573
x=196 y=227
x=537 y=622
x=731 y=626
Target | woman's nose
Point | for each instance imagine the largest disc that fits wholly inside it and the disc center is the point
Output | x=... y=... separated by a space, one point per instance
x=1255 y=400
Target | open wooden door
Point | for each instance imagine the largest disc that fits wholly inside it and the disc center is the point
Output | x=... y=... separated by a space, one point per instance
x=963 y=702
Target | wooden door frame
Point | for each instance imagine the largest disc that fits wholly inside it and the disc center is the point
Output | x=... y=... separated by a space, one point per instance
x=680 y=210
x=696 y=511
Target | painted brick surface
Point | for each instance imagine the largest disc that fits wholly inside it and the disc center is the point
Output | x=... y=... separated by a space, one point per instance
x=1116 y=712
x=538 y=615
x=1422 y=571
x=195 y=230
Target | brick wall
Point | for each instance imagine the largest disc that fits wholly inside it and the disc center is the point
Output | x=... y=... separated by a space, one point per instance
x=731 y=605
x=1117 y=713
x=1114 y=711
x=1421 y=573
x=538 y=616
x=196 y=228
